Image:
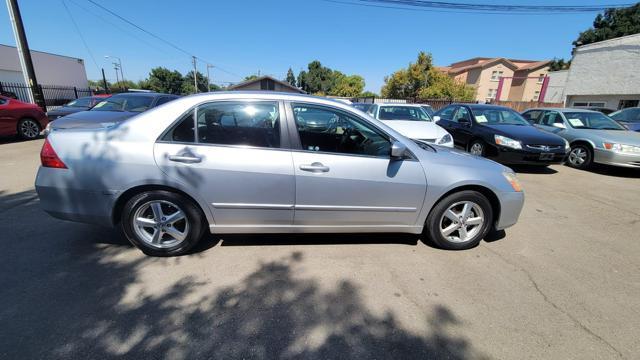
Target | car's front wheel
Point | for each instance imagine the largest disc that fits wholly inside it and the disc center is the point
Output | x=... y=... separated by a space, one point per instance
x=477 y=148
x=28 y=129
x=580 y=156
x=460 y=220
x=162 y=223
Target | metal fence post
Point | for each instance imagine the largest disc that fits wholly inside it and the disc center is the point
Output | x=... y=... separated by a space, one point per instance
x=75 y=91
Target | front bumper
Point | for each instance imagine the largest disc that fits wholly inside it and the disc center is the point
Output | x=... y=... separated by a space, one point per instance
x=511 y=204
x=616 y=159
x=526 y=157
x=61 y=199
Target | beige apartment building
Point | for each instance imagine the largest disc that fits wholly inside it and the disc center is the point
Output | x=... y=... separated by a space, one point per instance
x=501 y=78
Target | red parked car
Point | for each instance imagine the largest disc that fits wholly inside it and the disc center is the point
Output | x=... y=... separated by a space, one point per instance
x=24 y=119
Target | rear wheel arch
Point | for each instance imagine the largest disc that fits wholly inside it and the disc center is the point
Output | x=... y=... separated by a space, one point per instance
x=130 y=193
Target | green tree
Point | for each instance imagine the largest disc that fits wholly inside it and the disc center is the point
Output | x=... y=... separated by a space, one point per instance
x=559 y=64
x=188 y=86
x=291 y=78
x=302 y=80
x=250 y=77
x=614 y=23
x=368 y=94
x=163 y=80
x=420 y=80
x=319 y=79
x=347 y=86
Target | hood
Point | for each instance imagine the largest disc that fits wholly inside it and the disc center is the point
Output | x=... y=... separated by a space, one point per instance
x=528 y=134
x=614 y=136
x=65 y=110
x=423 y=130
x=91 y=119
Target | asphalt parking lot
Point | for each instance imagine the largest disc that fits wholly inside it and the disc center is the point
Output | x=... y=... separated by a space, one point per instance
x=564 y=283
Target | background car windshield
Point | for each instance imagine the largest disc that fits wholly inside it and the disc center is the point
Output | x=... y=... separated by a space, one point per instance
x=490 y=116
x=363 y=107
x=403 y=113
x=591 y=120
x=627 y=115
x=82 y=102
x=124 y=103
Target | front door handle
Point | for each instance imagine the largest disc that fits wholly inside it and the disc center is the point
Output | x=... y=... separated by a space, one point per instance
x=185 y=159
x=315 y=167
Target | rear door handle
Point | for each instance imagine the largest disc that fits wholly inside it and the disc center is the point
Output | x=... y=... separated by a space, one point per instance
x=185 y=159
x=315 y=167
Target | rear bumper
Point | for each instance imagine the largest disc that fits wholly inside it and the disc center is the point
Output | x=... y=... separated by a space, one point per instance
x=60 y=199
x=511 y=204
x=522 y=157
x=616 y=159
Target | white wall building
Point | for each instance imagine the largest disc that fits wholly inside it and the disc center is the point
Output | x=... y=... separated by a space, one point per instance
x=605 y=74
x=51 y=69
x=557 y=84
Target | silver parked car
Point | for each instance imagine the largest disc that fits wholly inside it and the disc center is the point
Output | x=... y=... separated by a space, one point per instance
x=265 y=162
x=593 y=136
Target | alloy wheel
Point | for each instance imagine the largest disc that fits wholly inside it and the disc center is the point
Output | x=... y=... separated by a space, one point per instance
x=578 y=156
x=462 y=221
x=161 y=224
x=476 y=149
x=29 y=129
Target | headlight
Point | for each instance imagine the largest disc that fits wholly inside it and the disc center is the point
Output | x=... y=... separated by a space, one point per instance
x=507 y=142
x=47 y=130
x=445 y=139
x=513 y=180
x=622 y=148
x=567 y=147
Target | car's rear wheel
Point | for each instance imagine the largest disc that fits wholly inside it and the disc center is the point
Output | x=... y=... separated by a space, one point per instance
x=28 y=129
x=162 y=223
x=580 y=156
x=460 y=220
x=477 y=148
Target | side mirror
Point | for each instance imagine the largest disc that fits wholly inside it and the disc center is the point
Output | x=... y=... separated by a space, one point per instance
x=398 y=150
x=436 y=118
x=559 y=125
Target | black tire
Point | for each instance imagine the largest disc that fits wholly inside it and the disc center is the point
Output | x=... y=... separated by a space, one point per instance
x=28 y=129
x=480 y=144
x=575 y=153
x=437 y=216
x=193 y=224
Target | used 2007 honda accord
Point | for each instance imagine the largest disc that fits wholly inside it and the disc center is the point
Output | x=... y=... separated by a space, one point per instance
x=257 y=162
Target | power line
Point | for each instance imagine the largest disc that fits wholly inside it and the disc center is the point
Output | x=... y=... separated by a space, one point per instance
x=80 y=34
x=507 y=9
x=167 y=42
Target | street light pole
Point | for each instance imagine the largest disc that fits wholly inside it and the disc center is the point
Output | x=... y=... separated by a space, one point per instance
x=115 y=67
x=208 y=78
x=195 y=74
x=119 y=64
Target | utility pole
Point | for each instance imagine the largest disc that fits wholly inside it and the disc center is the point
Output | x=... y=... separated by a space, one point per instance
x=208 y=78
x=104 y=81
x=115 y=67
x=195 y=74
x=119 y=64
x=24 y=54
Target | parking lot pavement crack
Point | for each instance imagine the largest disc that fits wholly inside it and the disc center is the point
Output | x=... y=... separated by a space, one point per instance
x=546 y=299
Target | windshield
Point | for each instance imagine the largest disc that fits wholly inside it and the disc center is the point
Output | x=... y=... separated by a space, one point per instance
x=489 y=116
x=82 y=102
x=428 y=110
x=591 y=120
x=363 y=107
x=627 y=115
x=411 y=113
x=124 y=103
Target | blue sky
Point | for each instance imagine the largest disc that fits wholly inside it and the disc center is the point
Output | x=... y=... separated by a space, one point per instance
x=244 y=36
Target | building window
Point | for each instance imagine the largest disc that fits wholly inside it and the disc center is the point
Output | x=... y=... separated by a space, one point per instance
x=491 y=94
x=588 y=104
x=536 y=96
x=541 y=78
x=496 y=75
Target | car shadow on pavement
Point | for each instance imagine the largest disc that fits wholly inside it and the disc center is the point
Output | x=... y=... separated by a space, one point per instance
x=615 y=171
x=67 y=295
x=532 y=169
x=315 y=239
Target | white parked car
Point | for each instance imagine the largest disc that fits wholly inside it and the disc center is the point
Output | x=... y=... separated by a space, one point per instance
x=412 y=121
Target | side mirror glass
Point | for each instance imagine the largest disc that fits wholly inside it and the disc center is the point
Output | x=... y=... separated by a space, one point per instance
x=398 y=150
x=559 y=125
x=436 y=118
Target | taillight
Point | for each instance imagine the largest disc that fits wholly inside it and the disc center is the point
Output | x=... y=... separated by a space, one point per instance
x=49 y=158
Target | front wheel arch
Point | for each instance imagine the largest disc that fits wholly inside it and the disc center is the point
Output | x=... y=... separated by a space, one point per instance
x=488 y=193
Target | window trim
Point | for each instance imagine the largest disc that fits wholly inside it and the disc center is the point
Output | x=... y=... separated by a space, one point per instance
x=296 y=144
x=285 y=141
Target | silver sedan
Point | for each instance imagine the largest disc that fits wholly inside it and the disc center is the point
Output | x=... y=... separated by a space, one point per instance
x=593 y=136
x=264 y=162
